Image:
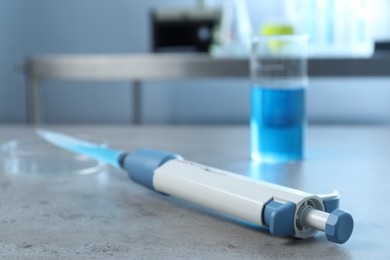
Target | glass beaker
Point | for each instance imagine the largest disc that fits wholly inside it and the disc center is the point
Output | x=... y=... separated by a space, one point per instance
x=279 y=81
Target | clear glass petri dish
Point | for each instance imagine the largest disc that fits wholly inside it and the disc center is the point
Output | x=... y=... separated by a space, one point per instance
x=35 y=156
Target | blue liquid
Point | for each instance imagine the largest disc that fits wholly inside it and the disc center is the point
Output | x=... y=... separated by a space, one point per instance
x=277 y=124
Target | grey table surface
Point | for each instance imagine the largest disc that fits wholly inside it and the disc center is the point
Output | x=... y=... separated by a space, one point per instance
x=106 y=216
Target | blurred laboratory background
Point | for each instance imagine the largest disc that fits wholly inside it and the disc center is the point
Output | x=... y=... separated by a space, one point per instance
x=343 y=28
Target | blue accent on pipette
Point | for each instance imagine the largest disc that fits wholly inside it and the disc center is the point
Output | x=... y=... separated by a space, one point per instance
x=331 y=204
x=141 y=164
x=279 y=218
x=339 y=226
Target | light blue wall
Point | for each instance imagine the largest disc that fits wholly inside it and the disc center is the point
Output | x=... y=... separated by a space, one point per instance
x=72 y=26
x=12 y=99
x=114 y=26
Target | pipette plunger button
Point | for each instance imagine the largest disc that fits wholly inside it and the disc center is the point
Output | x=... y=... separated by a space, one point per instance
x=339 y=226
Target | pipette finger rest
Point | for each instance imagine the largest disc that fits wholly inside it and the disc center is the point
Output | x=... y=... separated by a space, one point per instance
x=285 y=211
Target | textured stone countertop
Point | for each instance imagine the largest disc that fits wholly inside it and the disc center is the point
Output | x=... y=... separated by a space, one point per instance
x=107 y=216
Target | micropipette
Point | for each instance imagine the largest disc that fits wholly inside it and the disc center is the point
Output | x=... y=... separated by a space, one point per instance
x=284 y=211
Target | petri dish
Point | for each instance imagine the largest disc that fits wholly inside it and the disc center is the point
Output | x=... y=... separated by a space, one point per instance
x=35 y=156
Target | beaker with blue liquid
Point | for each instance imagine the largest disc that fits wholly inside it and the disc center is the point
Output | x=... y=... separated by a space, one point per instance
x=279 y=82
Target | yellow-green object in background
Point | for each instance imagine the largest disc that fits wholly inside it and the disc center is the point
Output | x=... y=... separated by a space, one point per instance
x=276 y=29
